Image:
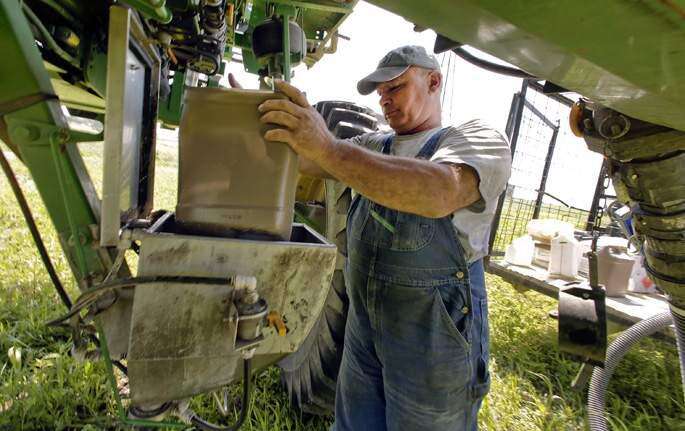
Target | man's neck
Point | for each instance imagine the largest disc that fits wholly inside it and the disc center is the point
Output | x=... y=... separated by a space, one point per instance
x=429 y=124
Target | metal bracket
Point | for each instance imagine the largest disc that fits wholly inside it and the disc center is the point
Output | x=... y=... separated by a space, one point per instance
x=582 y=324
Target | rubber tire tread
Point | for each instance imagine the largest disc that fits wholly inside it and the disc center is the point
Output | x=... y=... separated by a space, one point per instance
x=309 y=374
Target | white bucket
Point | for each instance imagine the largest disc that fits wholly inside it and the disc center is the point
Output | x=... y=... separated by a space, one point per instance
x=520 y=251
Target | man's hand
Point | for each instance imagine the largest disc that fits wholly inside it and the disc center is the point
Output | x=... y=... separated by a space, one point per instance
x=300 y=125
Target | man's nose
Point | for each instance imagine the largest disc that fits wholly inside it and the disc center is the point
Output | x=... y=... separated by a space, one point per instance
x=385 y=101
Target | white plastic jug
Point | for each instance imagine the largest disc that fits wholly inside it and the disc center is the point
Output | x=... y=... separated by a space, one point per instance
x=565 y=256
x=614 y=268
x=520 y=251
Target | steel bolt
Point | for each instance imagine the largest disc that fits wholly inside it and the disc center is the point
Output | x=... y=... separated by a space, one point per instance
x=63 y=136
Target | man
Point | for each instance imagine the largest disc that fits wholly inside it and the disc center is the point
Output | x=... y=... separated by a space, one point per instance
x=416 y=341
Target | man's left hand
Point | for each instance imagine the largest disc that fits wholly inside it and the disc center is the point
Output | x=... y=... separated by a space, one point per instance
x=300 y=125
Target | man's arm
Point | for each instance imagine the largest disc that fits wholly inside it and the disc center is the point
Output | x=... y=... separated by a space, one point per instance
x=307 y=167
x=411 y=185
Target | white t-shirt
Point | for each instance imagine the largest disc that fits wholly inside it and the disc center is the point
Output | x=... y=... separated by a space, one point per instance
x=474 y=144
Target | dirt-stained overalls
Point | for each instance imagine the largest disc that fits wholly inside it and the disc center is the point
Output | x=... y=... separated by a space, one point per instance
x=416 y=340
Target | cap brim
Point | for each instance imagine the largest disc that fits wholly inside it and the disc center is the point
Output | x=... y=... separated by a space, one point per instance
x=384 y=74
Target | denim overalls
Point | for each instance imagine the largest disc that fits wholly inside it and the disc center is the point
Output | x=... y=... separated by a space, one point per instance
x=416 y=340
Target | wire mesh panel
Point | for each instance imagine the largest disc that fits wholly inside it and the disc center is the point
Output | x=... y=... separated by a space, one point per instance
x=553 y=174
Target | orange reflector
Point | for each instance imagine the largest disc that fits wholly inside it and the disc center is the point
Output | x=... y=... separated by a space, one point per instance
x=575 y=119
x=276 y=321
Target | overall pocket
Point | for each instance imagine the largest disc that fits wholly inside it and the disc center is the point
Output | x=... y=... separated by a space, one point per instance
x=357 y=220
x=481 y=350
x=455 y=307
x=412 y=232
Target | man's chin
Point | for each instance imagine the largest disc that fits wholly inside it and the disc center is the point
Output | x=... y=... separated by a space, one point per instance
x=396 y=123
x=399 y=127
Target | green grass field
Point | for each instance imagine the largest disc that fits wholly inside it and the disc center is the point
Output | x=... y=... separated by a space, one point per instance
x=47 y=389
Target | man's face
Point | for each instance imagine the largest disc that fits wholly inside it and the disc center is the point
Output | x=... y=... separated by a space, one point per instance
x=409 y=100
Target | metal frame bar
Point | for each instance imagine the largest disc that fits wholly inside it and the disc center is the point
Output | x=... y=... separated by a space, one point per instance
x=117 y=52
x=545 y=172
x=594 y=216
x=540 y=115
x=512 y=131
x=286 y=46
x=126 y=35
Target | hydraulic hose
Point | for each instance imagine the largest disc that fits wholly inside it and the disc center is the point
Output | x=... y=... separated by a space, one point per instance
x=492 y=67
x=91 y=295
x=31 y=223
x=616 y=351
x=48 y=39
x=244 y=408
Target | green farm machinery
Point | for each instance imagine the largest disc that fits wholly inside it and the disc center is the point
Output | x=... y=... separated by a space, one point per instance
x=202 y=311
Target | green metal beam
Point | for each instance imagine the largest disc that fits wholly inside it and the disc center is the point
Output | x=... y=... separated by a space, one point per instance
x=38 y=130
x=325 y=7
x=626 y=55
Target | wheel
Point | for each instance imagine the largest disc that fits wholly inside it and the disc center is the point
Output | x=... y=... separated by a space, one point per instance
x=309 y=374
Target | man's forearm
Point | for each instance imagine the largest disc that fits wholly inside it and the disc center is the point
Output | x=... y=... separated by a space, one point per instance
x=307 y=167
x=405 y=184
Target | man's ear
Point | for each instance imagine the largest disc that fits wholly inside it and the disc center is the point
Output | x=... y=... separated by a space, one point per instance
x=434 y=81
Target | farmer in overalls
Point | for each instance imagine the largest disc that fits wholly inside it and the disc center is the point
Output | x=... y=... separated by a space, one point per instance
x=416 y=340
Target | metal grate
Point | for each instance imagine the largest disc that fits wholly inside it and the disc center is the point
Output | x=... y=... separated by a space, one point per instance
x=553 y=174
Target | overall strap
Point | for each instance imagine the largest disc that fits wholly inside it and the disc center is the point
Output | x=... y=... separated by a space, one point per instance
x=432 y=145
x=428 y=149
x=387 y=144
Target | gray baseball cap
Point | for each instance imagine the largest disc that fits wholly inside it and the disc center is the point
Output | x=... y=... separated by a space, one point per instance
x=394 y=64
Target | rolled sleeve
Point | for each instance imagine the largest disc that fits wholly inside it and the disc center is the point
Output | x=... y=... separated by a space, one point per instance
x=485 y=150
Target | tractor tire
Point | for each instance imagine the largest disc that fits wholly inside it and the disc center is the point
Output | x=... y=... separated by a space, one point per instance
x=309 y=374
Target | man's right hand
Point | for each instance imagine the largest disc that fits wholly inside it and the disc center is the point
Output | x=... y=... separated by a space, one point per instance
x=306 y=166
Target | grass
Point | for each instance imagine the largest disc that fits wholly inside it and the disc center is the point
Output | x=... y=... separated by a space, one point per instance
x=47 y=389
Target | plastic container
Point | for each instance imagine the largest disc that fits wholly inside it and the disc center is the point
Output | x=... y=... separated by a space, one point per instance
x=231 y=182
x=520 y=251
x=603 y=241
x=639 y=280
x=564 y=256
x=614 y=269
